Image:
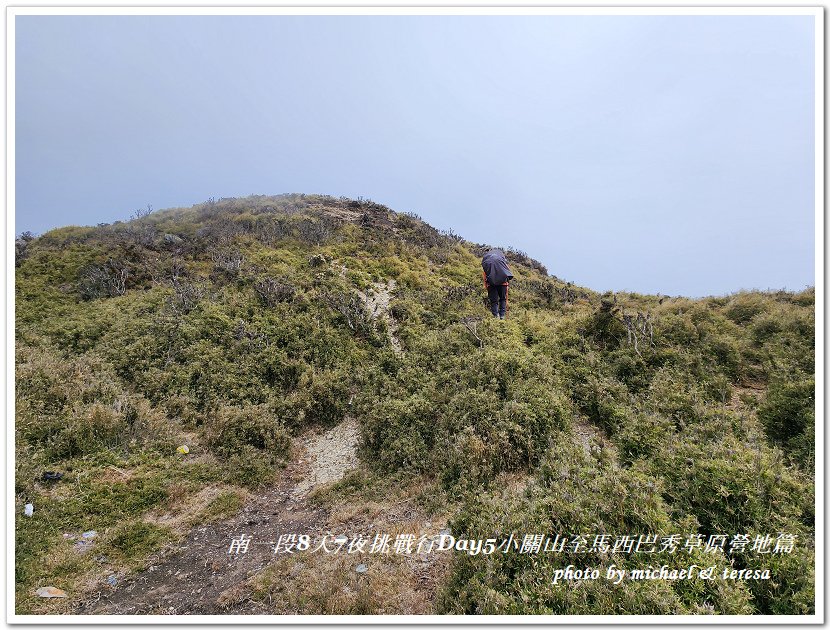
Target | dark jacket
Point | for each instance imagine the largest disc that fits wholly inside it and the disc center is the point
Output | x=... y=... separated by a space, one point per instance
x=495 y=268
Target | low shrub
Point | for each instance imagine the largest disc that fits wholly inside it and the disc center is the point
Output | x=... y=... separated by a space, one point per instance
x=575 y=494
x=788 y=416
x=230 y=430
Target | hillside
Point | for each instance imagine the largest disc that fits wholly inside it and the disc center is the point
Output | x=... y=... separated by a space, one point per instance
x=331 y=368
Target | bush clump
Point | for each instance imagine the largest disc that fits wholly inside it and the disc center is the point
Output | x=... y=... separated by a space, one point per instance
x=788 y=415
x=574 y=494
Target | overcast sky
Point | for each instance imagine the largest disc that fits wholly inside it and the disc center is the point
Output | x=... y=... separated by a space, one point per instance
x=652 y=154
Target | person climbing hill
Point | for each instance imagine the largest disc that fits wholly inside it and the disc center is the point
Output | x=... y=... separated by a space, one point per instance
x=497 y=276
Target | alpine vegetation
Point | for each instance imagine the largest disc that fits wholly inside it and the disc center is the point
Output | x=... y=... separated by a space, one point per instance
x=178 y=376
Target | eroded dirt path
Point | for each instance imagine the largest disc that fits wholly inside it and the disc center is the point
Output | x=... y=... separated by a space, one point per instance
x=198 y=575
x=330 y=455
x=377 y=300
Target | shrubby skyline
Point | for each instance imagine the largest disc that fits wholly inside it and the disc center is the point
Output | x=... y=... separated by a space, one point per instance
x=653 y=154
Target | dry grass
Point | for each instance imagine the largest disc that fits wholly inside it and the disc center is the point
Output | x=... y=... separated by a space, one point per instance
x=330 y=585
x=190 y=509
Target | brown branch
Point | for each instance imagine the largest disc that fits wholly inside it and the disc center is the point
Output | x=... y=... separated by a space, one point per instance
x=471 y=325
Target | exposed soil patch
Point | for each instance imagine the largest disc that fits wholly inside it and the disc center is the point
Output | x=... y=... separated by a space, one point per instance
x=377 y=301
x=198 y=575
x=752 y=390
x=188 y=578
x=191 y=576
x=589 y=436
x=329 y=456
x=346 y=214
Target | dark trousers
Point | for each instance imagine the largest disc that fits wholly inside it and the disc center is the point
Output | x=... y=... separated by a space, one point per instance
x=498 y=299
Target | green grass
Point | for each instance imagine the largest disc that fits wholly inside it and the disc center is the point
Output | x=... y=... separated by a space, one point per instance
x=224 y=505
x=114 y=382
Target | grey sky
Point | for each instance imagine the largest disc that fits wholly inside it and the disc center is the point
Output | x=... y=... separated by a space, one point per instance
x=654 y=154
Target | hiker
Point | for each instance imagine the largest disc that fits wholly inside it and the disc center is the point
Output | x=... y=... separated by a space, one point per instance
x=496 y=278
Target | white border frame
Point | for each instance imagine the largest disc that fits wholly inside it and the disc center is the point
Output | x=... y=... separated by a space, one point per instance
x=817 y=618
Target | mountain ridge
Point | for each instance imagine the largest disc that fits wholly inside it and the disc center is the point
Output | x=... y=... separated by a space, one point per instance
x=239 y=327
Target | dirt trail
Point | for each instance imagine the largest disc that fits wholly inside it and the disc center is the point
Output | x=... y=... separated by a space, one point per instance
x=331 y=455
x=377 y=300
x=583 y=432
x=197 y=575
x=589 y=435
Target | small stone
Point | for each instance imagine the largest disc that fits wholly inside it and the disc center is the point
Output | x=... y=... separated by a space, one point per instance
x=50 y=591
x=82 y=546
x=361 y=568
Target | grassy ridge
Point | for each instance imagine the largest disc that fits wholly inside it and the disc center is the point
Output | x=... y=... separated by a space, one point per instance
x=237 y=323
